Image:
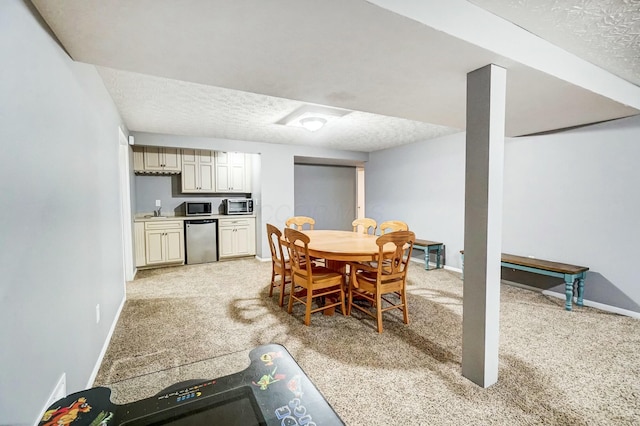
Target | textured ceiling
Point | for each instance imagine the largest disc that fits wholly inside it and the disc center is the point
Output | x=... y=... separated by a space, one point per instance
x=161 y=105
x=603 y=32
x=232 y=69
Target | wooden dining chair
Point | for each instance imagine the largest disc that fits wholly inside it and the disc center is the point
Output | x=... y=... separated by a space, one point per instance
x=310 y=282
x=280 y=266
x=366 y=224
x=393 y=226
x=386 y=282
x=299 y=221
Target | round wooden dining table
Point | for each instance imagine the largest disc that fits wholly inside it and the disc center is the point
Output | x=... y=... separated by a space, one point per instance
x=343 y=246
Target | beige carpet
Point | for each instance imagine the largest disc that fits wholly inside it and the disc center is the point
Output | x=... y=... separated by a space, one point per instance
x=556 y=367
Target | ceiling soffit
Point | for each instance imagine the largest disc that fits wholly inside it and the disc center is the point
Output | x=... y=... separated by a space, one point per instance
x=603 y=32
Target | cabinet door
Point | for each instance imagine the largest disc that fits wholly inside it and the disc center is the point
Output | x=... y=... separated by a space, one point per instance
x=236 y=178
x=174 y=246
x=153 y=157
x=189 y=171
x=206 y=168
x=139 y=244
x=189 y=156
x=222 y=178
x=230 y=172
x=227 y=243
x=242 y=240
x=222 y=157
x=138 y=159
x=171 y=159
x=197 y=171
x=154 y=246
x=189 y=177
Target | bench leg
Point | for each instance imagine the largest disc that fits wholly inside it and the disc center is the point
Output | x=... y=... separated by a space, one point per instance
x=438 y=257
x=426 y=258
x=568 y=287
x=579 y=302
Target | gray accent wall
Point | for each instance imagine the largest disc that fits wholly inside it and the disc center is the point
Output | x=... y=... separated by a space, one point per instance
x=570 y=196
x=60 y=219
x=167 y=189
x=327 y=194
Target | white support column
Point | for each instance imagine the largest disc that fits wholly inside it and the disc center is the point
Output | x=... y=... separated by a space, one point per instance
x=486 y=92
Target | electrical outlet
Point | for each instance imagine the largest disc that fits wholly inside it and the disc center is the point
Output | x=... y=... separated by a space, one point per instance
x=98 y=313
x=158 y=203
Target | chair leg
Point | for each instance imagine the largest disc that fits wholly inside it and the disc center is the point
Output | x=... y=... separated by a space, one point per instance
x=307 y=315
x=290 y=308
x=349 y=300
x=379 y=311
x=344 y=311
x=405 y=311
x=283 y=286
x=273 y=277
x=281 y=300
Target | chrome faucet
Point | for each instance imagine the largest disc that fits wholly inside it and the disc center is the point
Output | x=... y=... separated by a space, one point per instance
x=157 y=213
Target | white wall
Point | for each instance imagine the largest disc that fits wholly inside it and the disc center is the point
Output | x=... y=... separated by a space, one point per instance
x=570 y=197
x=60 y=226
x=574 y=197
x=421 y=184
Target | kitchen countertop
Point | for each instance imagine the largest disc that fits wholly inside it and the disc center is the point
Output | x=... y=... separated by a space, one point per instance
x=151 y=218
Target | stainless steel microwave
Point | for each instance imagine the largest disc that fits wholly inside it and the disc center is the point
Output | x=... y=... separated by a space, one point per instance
x=197 y=208
x=238 y=205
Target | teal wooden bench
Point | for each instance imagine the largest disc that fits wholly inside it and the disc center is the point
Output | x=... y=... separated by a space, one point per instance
x=428 y=247
x=570 y=273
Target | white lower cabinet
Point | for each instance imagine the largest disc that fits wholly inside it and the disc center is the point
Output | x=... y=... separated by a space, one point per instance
x=163 y=242
x=237 y=237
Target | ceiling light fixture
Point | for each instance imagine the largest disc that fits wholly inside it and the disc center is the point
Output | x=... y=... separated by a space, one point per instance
x=312 y=117
x=312 y=123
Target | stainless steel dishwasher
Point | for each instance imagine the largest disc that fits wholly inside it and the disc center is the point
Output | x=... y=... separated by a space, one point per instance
x=201 y=240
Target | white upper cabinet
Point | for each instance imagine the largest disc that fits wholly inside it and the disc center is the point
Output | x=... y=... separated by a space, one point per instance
x=233 y=172
x=198 y=171
x=153 y=159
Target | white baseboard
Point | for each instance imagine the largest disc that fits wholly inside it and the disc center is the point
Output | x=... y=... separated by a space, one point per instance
x=447 y=267
x=263 y=259
x=96 y=368
x=597 y=305
x=58 y=392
